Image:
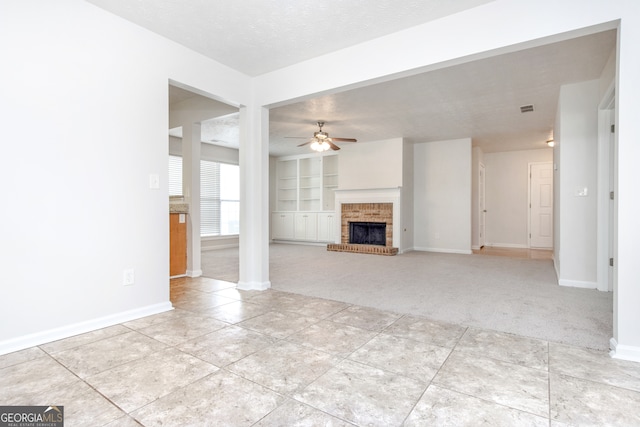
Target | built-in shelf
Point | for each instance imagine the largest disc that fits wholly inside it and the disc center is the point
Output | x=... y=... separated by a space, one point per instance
x=305 y=198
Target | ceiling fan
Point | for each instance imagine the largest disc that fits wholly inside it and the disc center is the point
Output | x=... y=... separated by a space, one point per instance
x=321 y=141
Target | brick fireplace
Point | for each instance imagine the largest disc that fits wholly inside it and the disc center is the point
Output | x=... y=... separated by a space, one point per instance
x=379 y=210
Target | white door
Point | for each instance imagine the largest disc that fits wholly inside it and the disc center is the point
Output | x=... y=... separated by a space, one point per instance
x=541 y=205
x=483 y=209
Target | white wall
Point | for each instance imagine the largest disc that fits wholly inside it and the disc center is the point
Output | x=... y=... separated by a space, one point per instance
x=577 y=143
x=507 y=195
x=88 y=108
x=442 y=196
x=376 y=164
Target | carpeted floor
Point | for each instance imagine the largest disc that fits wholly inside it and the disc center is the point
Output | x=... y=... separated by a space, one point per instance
x=519 y=296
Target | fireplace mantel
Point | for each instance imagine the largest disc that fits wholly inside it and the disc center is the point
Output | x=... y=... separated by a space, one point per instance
x=372 y=195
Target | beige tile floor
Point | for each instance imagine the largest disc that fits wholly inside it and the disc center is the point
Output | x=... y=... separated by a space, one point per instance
x=225 y=357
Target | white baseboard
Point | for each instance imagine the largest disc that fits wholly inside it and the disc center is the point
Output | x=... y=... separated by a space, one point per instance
x=577 y=284
x=300 y=242
x=194 y=273
x=506 y=245
x=444 y=250
x=26 y=341
x=253 y=286
x=216 y=247
x=624 y=352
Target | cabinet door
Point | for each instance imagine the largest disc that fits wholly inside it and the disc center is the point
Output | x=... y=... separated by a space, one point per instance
x=306 y=226
x=177 y=244
x=282 y=225
x=326 y=227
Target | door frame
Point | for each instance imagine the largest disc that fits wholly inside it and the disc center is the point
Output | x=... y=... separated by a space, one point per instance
x=482 y=205
x=606 y=181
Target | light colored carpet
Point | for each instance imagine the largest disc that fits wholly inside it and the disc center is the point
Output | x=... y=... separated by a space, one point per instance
x=519 y=296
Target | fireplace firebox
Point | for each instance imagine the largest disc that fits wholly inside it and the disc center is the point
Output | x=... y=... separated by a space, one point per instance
x=368 y=233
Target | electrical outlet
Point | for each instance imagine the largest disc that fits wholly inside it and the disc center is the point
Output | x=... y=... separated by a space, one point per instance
x=128 y=277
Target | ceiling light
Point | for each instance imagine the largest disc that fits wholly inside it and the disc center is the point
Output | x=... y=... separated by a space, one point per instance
x=551 y=143
x=320 y=145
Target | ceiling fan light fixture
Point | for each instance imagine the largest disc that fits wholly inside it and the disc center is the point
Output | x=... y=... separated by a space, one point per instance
x=320 y=145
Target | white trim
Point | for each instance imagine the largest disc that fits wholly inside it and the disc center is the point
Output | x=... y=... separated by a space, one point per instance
x=606 y=117
x=506 y=245
x=177 y=276
x=194 y=273
x=624 y=352
x=578 y=284
x=301 y=242
x=253 y=286
x=38 y=338
x=444 y=250
x=216 y=247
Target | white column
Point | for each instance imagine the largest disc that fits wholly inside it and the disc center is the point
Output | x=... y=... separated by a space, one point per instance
x=254 y=198
x=191 y=190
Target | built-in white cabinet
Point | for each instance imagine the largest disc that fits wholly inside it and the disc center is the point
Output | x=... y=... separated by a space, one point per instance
x=306 y=226
x=282 y=225
x=305 y=198
x=326 y=226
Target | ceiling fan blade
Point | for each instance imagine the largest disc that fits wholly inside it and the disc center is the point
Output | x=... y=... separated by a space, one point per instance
x=333 y=146
x=344 y=139
x=297 y=137
x=305 y=143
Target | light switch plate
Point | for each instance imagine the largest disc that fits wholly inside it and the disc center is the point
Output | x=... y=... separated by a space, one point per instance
x=154 y=181
x=582 y=192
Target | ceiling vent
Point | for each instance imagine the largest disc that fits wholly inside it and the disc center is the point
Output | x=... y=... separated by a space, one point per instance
x=526 y=108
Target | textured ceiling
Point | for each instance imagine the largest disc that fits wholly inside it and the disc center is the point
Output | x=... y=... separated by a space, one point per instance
x=479 y=100
x=258 y=36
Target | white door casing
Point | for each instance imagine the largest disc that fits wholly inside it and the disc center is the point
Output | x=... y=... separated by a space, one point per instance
x=482 y=207
x=541 y=205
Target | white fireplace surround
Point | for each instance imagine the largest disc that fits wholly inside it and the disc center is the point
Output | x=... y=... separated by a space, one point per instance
x=374 y=195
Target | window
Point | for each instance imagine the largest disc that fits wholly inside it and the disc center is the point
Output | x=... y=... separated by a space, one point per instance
x=175 y=176
x=219 y=195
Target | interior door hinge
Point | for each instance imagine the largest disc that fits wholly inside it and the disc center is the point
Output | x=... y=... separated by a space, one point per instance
x=613 y=128
x=610 y=262
x=611 y=195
